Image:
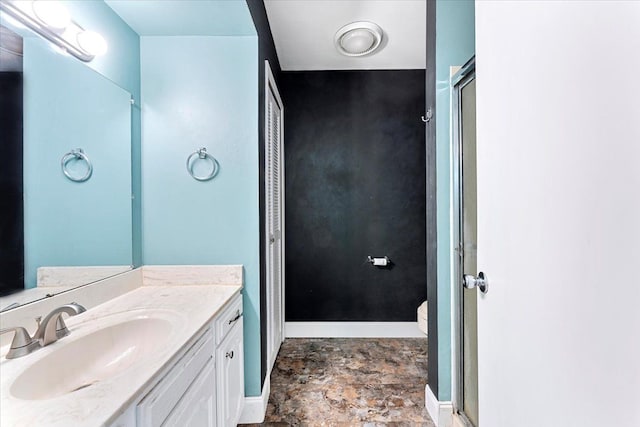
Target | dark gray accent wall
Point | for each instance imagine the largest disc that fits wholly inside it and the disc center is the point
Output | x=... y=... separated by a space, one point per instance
x=432 y=246
x=11 y=184
x=266 y=51
x=355 y=186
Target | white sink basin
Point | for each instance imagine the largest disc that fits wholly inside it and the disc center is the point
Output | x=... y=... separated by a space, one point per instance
x=89 y=359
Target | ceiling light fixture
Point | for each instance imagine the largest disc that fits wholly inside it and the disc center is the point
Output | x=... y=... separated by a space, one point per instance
x=50 y=19
x=359 y=38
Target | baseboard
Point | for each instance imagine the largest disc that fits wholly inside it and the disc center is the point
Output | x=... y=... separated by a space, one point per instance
x=255 y=407
x=440 y=412
x=352 y=330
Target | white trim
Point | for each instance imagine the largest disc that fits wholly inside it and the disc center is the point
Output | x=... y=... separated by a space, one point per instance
x=255 y=407
x=440 y=412
x=352 y=330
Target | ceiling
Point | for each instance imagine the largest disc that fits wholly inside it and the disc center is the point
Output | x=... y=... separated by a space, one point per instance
x=185 y=17
x=304 y=30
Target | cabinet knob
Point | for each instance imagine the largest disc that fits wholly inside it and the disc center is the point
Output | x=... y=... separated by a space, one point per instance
x=229 y=354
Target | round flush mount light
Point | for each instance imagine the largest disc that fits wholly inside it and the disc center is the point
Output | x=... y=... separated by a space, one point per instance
x=358 y=38
x=92 y=43
x=51 y=13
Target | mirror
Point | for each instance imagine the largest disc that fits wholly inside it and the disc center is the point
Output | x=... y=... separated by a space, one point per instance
x=59 y=230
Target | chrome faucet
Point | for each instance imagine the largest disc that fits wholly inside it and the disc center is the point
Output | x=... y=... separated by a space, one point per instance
x=52 y=328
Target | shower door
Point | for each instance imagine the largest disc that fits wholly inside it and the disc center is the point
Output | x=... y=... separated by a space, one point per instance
x=465 y=231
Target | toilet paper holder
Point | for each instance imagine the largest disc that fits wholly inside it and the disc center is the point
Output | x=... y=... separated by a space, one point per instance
x=379 y=262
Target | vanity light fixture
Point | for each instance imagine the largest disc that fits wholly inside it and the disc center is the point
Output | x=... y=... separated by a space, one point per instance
x=51 y=20
x=92 y=43
x=52 y=13
x=358 y=38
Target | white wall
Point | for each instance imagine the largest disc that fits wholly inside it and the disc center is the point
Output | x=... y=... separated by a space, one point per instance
x=558 y=99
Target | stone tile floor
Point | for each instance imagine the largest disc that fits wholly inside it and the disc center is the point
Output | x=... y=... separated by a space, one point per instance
x=349 y=382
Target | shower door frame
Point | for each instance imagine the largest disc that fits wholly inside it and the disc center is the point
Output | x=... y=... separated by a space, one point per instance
x=464 y=76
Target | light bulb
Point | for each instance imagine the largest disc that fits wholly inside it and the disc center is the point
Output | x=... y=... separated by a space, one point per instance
x=92 y=43
x=52 y=14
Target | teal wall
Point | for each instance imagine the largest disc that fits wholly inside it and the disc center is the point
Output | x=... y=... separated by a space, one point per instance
x=68 y=105
x=188 y=17
x=201 y=92
x=455 y=45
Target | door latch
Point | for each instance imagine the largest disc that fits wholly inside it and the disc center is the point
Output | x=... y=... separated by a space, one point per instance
x=479 y=282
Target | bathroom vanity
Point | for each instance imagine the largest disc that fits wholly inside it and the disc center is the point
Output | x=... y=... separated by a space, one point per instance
x=204 y=384
x=168 y=351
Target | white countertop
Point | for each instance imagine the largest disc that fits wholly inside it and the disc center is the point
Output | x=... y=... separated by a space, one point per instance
x=190 y=308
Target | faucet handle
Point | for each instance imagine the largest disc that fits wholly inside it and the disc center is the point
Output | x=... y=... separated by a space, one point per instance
x=22 y=343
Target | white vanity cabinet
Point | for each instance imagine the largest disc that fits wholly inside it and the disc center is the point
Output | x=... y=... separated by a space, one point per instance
x=230 y=376
x=205 y=386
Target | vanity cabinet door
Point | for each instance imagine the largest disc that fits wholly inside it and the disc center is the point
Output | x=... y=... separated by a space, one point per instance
x=157 y=405
x=198 y=406
x=230 y=377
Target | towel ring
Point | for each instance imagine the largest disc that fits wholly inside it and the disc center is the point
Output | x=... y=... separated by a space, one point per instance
x=76 y=154
x=203 y=155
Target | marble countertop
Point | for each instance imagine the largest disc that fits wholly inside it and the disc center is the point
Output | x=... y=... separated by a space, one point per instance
x=190 y=308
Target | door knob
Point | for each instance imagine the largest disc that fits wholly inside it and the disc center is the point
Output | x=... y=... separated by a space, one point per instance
x=479 y=282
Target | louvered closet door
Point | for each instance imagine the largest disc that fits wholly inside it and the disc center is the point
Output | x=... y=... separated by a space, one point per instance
x=274 y=226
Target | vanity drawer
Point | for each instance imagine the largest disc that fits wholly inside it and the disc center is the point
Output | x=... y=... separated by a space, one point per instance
x=156 y=406
x=228 y=318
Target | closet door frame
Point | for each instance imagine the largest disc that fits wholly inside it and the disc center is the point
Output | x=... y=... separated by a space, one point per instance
x=272 y=347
